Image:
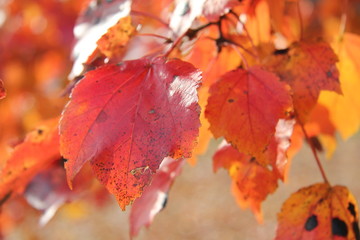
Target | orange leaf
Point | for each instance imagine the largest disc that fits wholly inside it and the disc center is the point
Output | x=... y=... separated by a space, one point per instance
x=38 y=151
x=319 y=212
x=113 y=43
x=251 y=182
x=125 y=119
x=245 y=106
x=204 y=133
x=308 y=68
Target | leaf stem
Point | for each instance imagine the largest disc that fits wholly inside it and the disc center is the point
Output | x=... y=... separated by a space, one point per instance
x=167 y=40
x=144 y=14
x=300 y=20
x=241 y=56
x=315 y=155
x=343 y=19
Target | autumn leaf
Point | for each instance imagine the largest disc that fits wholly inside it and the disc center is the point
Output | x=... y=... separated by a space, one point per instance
x=114 y=41
x=91 y=25
x=344 y=109
x=38 y=151
x=308 y=67
x=277 y=150
x=204 y=133
x=251 y=182
x=319 y=212
x=244 y=106
x=154 y=197
x=125 y=119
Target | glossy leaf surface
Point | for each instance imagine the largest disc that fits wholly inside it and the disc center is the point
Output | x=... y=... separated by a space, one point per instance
x=125 y=119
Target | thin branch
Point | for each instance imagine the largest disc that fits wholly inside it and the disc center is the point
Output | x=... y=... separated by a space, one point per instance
x=149 y=15
x=241 y=56
x=167 y=40
x=315 y=155
x=343 y=19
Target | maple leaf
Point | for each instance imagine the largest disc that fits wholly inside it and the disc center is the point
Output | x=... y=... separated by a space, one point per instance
x=308 y=67
x=38 y=151
x=319 y=212
x=154 y=197
x=125 y=119
x=244 y=106
x=93 y=23
x=251 y=182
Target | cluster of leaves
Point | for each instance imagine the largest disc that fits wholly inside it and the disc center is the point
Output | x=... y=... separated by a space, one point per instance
x=153 y=81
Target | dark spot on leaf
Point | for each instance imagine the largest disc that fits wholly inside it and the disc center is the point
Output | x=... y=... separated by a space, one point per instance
x=164 y=202
x=40 y=131
x=281 y=51
x=252 y=159
x=119 y=91
x=245 y=92
x=311 y=223
x=64 y=160
x=231 y=100
x=338 y=227
x=351 y=209
x=152 y=111
x=102 y=117
x=329 y=74
x=9 y=173
x=355 y=227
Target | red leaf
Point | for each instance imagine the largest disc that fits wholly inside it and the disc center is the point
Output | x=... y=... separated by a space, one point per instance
x=245 y=107
x=251 y=182
x=319 y=212
x=125 y=119
x=38 y=151
x=308 y=68
x=154 y=197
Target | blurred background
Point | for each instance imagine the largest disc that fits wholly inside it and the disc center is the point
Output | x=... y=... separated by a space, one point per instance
x=200 y=205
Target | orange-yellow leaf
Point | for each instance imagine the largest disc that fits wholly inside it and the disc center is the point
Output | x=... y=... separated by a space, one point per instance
x=245 y=106
x=204 y=133
x=345 y=109
x=113 y=43
x=251 y=182
x=319 y=212
x=38 y=151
